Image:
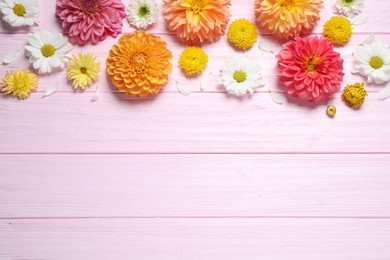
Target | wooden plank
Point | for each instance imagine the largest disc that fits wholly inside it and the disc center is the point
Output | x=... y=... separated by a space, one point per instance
x=193 y=239
x=219 y=53
x=194 y=185
x=239 y=9
x=200 y=123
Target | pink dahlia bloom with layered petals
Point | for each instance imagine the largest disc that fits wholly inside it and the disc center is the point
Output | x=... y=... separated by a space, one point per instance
x=310 y=69
x=90 y=20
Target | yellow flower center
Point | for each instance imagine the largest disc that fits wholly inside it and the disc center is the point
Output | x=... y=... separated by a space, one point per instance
x=88 y=6
x=48 y=50
x=139 y=61
x=239 y=76
x=312 y=62
x=287 y=4
x=83 y=70
x=197 y=6
x=19 y=10
x=376 y=62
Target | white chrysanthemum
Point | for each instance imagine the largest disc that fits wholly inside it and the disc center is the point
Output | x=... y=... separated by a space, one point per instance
x=47 y=50
x=20 y=12
x=240 y=75
x=373 y=61
x=142 y=13
x=349 y=8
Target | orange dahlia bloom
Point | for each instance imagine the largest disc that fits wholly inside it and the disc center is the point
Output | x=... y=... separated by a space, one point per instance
x=197 y=21
x=139 y=64
x=287 y=19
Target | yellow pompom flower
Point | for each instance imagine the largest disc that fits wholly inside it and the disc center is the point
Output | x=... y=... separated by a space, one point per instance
x=338 y=30
x=354 y=95
x=19 y=83
x=193 y=60
x=242 y=33
x=83 y=70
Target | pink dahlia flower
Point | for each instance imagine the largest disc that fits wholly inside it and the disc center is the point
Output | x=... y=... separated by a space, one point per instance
x=310 y=69
x=90 y=20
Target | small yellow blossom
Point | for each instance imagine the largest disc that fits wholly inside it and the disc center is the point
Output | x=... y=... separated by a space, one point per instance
x=83 y=70
x=242 y=33
x=354 y=95
x=193 y=60
x=19 y=83
x=338 y=30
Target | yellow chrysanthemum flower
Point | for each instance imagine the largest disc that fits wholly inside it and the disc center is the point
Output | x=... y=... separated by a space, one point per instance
x=354 y=95
x=338 y=30
x=83 y=70
x=193 y=60
x=19 y=83
x=242 y=33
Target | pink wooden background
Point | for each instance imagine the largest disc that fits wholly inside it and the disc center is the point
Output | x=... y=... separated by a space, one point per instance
x=208 y=176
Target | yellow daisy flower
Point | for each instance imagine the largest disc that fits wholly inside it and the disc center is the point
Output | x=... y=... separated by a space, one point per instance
x=83 y=70
x=338 y=30
x=19 y=83
x=354 y=95
x=193 y=60
x=242 y=33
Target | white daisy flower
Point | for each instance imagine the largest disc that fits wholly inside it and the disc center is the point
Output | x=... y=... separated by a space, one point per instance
x=373 y=61
x=142 y=13
x=240 y=75
x=47 y=50
x=20 y=12
x=348 y=8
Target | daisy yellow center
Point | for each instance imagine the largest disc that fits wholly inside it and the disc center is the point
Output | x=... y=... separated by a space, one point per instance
x=139 y=61
x=376 y=62
x=88 y=6
x=48 y=50
x=239 y=76
x=287 y=4
x=19 y=10
x=197 y=6
x=143 y=11
x=312 y=62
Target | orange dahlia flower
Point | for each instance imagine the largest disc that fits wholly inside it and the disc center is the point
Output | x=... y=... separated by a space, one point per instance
x=139 y=64
x=287 y=19
x=197 y=21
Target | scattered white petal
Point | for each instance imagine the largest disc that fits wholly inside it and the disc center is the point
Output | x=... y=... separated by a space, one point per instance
x=10 y=57
x=204 y=82
x=265 y=46
x=385 y=93
x=97 y=95
x=369 y=40
x=53 y=88
x=277 y=97
x=360 y=20
x=182 y=89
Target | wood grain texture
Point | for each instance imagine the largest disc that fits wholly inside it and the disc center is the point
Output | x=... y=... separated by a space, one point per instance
x=194 y=185
x=204 y=177
x=194 y=239
x=70 y=123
